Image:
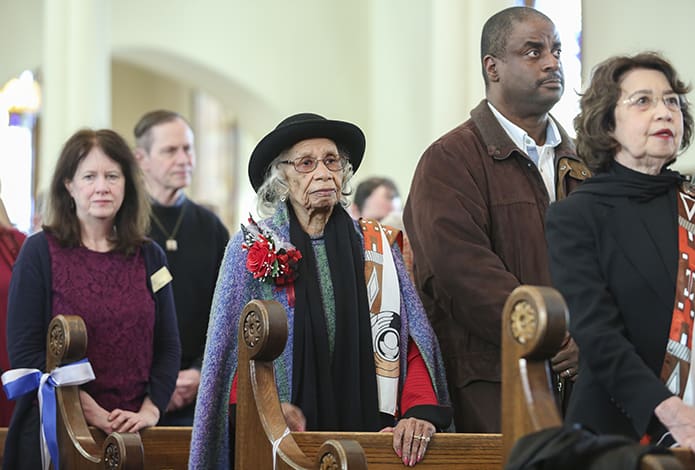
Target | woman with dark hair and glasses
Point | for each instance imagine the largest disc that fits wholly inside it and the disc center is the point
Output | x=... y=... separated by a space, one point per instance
x=356 y=359
x=622 y=254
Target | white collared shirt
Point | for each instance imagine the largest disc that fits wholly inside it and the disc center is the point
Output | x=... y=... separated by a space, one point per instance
x=543 y=156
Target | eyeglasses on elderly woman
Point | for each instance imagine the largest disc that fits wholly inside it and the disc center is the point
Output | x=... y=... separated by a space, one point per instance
x=308 y=164
x=643 y=101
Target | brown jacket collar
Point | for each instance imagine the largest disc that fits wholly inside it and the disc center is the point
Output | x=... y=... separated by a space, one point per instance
x=500 y=145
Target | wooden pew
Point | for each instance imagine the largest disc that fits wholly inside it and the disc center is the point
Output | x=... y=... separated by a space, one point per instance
x=533 y=327
x=81 y=447
x=264 y=333
x=262 y=337
x=3 y=436
x=166 y=447
x=534 y=322
x=84 y=447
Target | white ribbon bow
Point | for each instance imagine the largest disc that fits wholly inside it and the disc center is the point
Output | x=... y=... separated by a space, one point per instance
x=276 y=444
x=17 y=382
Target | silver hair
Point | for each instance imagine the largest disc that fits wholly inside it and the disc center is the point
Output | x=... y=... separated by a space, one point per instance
x=275 y=189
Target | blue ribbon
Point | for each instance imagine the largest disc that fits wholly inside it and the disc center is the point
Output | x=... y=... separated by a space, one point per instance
x=18 y=382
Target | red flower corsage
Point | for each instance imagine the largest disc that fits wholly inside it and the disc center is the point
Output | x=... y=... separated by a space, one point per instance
x=269 y=259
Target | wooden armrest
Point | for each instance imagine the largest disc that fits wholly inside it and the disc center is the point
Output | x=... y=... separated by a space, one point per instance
x=534 y=322
x=79 y=447
x=685 y=457
x=260 y=421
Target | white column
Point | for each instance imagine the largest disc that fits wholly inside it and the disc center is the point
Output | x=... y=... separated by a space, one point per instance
x=457 y=78
x=399 y=72
x=76 y=74
x=425 y=76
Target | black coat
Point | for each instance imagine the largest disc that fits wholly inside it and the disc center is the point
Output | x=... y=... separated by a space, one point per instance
x=614 y=259
x=575 y=448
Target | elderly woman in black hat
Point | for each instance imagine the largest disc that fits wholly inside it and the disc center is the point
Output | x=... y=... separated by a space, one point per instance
x=361 y=355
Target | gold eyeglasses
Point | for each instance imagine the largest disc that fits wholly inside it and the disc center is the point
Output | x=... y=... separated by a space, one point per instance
x=643 y=101
x=308 y=164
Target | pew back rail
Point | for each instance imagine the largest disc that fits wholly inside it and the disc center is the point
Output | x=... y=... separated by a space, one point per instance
x=260 y=421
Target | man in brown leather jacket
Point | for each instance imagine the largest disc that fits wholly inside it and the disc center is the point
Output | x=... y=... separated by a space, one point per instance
x=476 y=208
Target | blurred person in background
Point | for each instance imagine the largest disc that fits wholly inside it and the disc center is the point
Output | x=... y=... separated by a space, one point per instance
x=193 y=238
x=375 y=198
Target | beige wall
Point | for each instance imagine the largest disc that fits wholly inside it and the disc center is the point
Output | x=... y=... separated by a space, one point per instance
x=404 y=70
x=424 y=76
x=136 y=90
x=288 y=56
x=22 y=32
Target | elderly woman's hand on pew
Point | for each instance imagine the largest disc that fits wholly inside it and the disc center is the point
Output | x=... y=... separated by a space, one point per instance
x=679 y=419
x=410 y=439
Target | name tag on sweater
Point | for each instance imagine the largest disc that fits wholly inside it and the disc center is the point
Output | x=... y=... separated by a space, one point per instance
x=160 y=279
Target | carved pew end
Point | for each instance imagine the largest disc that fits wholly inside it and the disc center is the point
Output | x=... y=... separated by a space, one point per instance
x=534 y=322
x=123 y=451
x=66 y=342
x=341 y=454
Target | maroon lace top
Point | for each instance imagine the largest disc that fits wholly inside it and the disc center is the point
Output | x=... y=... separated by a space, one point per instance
x=109 y=291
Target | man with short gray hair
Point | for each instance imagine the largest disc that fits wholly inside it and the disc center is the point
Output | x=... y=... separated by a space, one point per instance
x=193 y=238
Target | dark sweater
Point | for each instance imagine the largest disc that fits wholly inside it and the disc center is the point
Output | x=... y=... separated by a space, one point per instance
x=201 y=240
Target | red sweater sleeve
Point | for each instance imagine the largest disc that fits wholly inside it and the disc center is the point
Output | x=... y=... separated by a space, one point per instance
x=418 y=388
x=232 y=393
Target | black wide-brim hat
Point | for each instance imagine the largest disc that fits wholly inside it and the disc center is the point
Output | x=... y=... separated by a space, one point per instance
x=347 y=137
